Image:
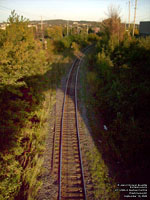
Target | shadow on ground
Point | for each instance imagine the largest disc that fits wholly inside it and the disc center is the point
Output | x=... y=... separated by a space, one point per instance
x=18 y=108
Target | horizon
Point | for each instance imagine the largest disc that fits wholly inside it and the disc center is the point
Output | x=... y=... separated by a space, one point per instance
x=71 y=10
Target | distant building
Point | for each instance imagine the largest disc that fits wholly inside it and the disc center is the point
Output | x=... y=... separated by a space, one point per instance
x=75 y=23
x=84 y=24
x=3 y=26
x=32 y=25
x=144 y=28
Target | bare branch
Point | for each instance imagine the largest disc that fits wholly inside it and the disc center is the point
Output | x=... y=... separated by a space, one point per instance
x=113 y=11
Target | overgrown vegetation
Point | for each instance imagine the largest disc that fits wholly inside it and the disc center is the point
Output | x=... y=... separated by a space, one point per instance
x=29 y=75
x=25 y=81
x=119 y=81
x=104 y=184
x=116 y=91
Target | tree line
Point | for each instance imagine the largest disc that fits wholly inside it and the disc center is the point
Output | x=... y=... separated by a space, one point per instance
x=118 y=79
x=29 y=75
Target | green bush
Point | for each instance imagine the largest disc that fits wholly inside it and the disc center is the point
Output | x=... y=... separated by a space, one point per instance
x=23 y=73
x=122 y=96
x=18 y=52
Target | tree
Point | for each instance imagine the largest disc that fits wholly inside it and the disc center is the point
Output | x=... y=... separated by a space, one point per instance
x=112 y=26
x=22 y=59
x=54 y=32
x=20 y=54
x=90 y=30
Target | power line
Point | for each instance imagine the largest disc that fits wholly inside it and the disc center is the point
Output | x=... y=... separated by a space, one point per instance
x=6 y=8
x=3 y=10
x=22 y=12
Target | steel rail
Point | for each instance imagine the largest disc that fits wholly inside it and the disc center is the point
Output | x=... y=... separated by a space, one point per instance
x=60 y=154
x=77 y=125
x=78 y=135
x=61 y=130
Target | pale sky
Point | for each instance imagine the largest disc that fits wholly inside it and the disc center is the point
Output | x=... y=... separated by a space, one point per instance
x=94 y=10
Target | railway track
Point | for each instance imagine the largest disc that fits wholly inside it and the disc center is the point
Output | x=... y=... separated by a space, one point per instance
x=68 y=153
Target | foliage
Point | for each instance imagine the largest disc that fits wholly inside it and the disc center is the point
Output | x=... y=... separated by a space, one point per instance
x=18 y=52
x=55 y=32
x=113 y=26
x=73 y=42
x=93 y=37
x=75 y=47
x=104 y=186
x=103 y=183
x=122 y=94
x=64 y=43
x=29 y=75
x=90 y=30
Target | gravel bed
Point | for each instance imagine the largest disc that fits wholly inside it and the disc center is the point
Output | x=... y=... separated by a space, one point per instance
x=49 y=189
x=49 y=177
x=86 y=143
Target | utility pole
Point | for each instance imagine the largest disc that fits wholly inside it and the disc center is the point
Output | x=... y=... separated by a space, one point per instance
x=67 y=27
x=77 y=28
x=134 y=16
x=87 y=29
x=45 y=44
x=42 y=35
x=118 y=26
x=129 y=17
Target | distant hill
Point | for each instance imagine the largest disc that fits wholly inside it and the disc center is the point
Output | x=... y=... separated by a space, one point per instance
x=64 y=22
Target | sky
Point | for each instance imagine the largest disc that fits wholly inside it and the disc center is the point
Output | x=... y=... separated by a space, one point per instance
x=92 y=10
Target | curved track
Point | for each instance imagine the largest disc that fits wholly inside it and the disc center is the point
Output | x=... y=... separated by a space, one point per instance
x=71 y=176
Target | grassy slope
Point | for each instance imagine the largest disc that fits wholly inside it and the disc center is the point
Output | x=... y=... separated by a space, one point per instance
x=61 y=63
x=104 y=184
x=22 y=157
